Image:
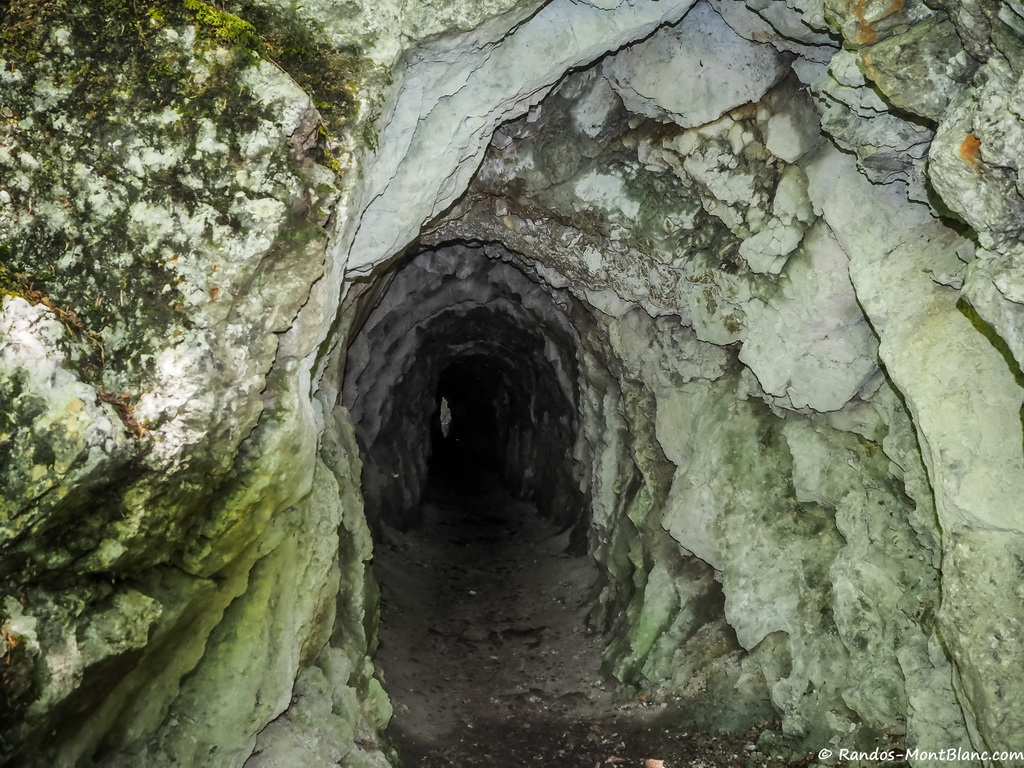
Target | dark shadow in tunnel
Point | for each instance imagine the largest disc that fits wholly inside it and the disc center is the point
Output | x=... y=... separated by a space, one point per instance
x=469 y=428
x=484 y=612
x=468 y=336
x=463 y=392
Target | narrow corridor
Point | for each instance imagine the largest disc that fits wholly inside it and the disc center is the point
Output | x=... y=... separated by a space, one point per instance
x=485 y=648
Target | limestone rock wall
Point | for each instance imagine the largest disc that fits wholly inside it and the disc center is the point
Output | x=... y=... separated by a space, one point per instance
x=174 y=534
x=795 y=323
x=797 y=576
x=840 y=289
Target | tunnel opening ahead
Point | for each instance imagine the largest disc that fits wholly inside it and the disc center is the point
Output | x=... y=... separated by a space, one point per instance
x=462 y=387
x=472 y=335
x=469 y=430
x=468 y=406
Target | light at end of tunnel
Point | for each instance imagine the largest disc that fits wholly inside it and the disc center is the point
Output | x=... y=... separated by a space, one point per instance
x=446 y=417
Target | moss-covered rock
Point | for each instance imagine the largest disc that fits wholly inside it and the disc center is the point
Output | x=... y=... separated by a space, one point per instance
x=162 y=216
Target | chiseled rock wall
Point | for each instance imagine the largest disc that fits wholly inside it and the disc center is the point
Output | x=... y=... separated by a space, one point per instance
x=848 y=472
x=463 y=304
x=799 y=375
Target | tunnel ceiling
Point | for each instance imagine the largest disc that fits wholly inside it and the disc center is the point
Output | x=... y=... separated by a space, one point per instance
x=706 y=224
x=456 y=309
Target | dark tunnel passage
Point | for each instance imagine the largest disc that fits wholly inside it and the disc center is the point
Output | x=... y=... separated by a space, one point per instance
x=473 y=408
x=476 y=336
x=462 y=388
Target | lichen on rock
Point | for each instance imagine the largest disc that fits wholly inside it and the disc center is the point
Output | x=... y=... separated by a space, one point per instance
x=781 y=307
x=162 y=220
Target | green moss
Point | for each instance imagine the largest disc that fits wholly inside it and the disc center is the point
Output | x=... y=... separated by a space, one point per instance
x=332 y=76
x=23 y=27
x=992 y=337
x=371 y=133
x=225 y=26
x=121 y=204
x=114 y=68
x=10 y=283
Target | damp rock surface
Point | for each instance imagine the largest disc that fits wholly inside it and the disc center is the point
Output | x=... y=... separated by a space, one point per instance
x=488 y=652
x=760 y=362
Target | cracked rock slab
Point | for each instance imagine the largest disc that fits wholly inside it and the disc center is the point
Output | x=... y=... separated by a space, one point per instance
x=694 y=72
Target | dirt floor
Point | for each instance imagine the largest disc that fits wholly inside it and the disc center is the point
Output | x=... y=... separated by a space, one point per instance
x=487 y=656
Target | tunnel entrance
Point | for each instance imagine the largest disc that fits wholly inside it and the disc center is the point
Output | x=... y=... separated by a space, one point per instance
x=472 y=339
x=463 y=387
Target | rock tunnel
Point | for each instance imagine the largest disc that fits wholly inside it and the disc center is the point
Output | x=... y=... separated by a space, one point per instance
x=394 y=383
x=499 y=350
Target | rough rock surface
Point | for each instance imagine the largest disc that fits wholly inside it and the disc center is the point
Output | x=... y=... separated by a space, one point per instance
x=665 y=76
x=451 y=308
x=440 y=146
x=162 y=221
x=781 y=391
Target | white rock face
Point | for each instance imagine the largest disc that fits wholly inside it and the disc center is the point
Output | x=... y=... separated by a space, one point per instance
x=811 y=347
x=594 y=106
x=963 y=441
x=788 y=137
x=57 y=434
x=775 y=277
x=780 y=285
x=448 y=103
x=966 y=408
x=768 y=250
x=694 y=72
x=798 y=27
